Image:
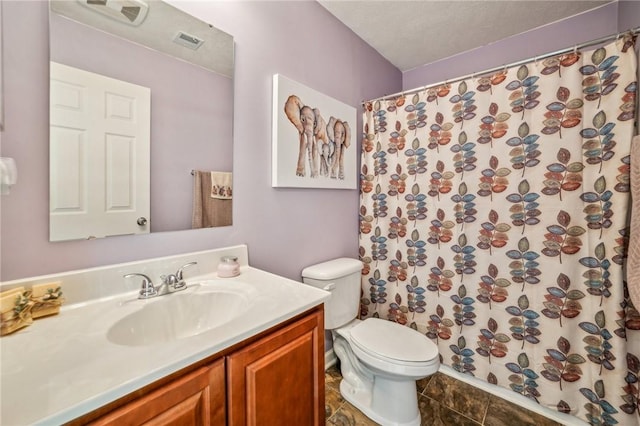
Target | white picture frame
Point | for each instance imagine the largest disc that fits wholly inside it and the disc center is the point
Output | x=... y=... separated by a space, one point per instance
x=333 y=138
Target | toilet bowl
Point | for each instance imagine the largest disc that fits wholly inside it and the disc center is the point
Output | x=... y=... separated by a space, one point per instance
x=380 y=360
x=379 y=374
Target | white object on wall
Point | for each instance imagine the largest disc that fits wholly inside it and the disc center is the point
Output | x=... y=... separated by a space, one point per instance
x=8 y=174
x=130 y=12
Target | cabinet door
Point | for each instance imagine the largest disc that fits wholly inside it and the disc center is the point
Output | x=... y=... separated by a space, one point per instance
x=280 y=378
x=197 y=398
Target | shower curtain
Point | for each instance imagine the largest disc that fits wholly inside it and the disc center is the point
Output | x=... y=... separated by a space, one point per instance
x=494 y=220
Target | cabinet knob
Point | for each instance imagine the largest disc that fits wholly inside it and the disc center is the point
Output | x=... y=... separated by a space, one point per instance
x=142 y=221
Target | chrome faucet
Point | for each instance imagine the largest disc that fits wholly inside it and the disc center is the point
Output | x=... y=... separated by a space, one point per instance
x=148 y=290
x=170 y=283
x=180 y=284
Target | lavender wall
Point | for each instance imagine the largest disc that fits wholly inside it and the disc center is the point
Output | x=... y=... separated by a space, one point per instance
x=191 y=118
x=285 y=229
x=628 y=15
x=580 y=28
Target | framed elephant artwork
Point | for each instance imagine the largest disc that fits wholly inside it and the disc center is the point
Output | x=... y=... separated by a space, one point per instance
x=314 y=144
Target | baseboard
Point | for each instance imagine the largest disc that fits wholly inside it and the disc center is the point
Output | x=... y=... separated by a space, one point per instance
x=329 y=359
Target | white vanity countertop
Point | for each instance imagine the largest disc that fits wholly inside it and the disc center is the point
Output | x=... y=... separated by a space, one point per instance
x=63 y=366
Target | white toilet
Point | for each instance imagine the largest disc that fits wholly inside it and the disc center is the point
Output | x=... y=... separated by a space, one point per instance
x=380 y=360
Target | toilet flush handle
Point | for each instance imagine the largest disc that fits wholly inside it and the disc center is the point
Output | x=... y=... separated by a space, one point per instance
x=329 y=287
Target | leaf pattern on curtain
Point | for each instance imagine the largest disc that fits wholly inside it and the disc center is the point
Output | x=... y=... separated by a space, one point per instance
x=493 y=219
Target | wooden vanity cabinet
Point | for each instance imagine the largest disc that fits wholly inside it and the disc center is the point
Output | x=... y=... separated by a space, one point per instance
x=276 y=377
x=197 y=398
x=279 y=380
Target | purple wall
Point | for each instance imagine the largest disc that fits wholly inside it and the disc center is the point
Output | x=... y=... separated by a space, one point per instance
x=285 y=229
x=628 y=15
x=577 y=29
x=629 y=18
x=191 y=118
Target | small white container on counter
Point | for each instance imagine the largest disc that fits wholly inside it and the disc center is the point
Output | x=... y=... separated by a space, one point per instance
x=228 y=267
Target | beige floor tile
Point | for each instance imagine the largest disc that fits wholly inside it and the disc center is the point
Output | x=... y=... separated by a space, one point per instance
x=434 y=413
x=422 y=384
x=332 y=402
x=504 y=413
x=458 y=396
x=348 y=415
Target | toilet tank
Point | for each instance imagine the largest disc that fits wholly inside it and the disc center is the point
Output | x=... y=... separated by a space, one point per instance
x=342 y=278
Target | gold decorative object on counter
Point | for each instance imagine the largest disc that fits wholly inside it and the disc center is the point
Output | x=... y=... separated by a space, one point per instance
x=46 y=298
x=15 y=310
x=18 y=308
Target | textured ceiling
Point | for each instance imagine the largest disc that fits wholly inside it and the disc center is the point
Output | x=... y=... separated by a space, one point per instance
x=410 y=33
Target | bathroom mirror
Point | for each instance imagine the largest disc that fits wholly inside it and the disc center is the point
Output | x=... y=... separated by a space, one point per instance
x=187 y=67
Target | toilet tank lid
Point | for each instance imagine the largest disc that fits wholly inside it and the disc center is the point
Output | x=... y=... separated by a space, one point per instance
x=332 y=269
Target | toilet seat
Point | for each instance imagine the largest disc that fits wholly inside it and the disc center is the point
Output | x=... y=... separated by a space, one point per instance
x=393 y=348
x=392 y=341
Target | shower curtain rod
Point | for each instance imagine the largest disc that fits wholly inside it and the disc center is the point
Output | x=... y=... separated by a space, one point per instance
x=605 y=39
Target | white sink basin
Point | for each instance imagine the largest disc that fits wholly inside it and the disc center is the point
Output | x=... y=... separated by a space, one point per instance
x=179 y=315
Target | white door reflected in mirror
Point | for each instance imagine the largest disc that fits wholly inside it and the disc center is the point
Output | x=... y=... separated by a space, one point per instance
x=100 y=155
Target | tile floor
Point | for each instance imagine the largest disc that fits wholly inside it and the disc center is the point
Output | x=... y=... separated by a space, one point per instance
x=443 y=401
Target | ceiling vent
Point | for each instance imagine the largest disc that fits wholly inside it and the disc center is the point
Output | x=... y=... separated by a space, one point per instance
x=130 y=12
x=187 y=40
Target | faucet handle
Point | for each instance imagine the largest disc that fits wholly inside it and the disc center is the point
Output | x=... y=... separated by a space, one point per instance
x=180 y=284
x=147 y=290
x=186 y=265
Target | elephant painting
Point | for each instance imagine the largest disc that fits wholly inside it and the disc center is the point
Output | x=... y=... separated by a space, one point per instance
x=321 y=145
x=340 y=138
